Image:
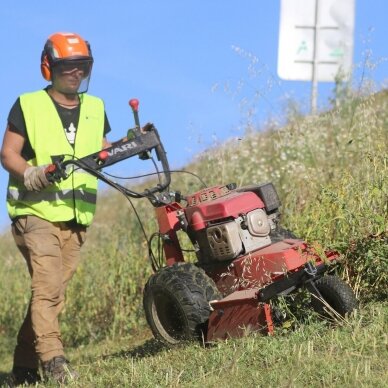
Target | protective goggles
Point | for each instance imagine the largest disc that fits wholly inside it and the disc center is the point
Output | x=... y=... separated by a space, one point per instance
x=71 y=65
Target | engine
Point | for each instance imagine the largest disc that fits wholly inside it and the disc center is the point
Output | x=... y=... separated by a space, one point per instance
x=227 y=222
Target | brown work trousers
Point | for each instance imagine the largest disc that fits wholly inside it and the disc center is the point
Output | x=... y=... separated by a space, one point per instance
x=52 y=253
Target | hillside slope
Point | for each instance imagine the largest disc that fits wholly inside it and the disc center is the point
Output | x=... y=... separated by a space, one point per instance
x=331 y=173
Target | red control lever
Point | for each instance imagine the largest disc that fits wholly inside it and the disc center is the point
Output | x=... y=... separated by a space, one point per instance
x=103 y=155
x=134 y=104
x=50 y=169
x=54 y=172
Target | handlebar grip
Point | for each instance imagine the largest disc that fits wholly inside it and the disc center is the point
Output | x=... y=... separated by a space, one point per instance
x=55 y=172
x=50 y=172
x=50 y=169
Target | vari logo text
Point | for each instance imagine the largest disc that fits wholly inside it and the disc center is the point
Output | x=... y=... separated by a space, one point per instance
x=122 y=148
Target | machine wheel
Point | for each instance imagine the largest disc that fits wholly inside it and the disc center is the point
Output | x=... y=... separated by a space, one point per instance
x=176 y=303
x=336 y=293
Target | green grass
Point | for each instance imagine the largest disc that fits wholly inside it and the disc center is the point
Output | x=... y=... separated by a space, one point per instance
x=352 y=355
x=331 y=173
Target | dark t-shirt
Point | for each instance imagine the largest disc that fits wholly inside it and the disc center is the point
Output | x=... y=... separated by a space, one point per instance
x=69 y=118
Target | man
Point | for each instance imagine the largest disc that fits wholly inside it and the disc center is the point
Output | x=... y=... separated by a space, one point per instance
x=49 y=220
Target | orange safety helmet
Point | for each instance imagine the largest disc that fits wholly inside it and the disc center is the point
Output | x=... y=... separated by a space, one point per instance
x=65 y=47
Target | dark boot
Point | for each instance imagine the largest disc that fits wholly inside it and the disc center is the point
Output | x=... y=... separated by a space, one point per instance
x=24 y=376
x=58 y=369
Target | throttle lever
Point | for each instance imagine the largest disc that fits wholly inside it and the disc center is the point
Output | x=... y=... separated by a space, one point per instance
x=55 y=172
x=134 y=104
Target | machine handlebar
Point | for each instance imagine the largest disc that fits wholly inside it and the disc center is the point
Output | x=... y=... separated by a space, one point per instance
x=138 y=142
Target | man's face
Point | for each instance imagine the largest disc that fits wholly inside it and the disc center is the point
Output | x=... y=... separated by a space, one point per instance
x=68 y=76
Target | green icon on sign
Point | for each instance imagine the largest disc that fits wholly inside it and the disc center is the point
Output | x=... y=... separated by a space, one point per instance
x=302 y=47
x=337 y=52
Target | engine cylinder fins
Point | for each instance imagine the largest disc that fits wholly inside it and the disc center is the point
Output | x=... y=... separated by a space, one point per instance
x=210 y=194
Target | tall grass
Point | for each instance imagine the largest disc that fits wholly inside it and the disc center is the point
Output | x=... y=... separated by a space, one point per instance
x=330 y=171
x=314 y=355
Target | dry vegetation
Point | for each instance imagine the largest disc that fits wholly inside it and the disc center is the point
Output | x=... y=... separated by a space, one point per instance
x=331 y=173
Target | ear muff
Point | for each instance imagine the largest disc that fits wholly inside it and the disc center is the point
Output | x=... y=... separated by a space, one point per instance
x=45 y=66
x=50 y=51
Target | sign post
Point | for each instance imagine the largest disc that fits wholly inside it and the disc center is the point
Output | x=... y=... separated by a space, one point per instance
x=315 y=41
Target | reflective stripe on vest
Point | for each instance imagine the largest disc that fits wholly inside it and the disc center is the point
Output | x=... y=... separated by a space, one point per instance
x=33 y=196
x=75 y=197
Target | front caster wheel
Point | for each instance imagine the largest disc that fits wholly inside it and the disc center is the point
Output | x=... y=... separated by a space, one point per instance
x=335 y=293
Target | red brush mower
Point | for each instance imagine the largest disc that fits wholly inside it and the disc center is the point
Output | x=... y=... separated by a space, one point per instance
x=244 y=259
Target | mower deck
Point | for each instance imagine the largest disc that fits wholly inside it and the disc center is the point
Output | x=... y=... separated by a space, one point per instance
x=250 y=284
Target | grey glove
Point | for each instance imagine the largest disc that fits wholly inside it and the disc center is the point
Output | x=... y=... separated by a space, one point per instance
x=35 y=178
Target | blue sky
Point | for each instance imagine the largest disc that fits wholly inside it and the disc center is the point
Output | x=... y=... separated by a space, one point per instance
x=188 y=62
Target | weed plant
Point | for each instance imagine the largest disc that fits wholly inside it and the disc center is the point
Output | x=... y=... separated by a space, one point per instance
x=353 y=355
x=331 y=174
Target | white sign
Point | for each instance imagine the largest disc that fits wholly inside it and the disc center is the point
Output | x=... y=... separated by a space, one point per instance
x=315 y=33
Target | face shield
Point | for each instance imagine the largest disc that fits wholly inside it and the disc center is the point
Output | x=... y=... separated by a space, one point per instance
x=72 y=76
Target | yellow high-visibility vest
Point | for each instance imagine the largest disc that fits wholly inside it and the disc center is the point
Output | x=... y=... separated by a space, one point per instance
x=74 y=197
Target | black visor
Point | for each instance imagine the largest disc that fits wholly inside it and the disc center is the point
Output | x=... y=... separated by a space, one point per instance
x=81 y=65
x=68 y=65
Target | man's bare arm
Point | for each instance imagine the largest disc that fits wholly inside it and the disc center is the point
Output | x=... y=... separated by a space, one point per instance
x=11 y=150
